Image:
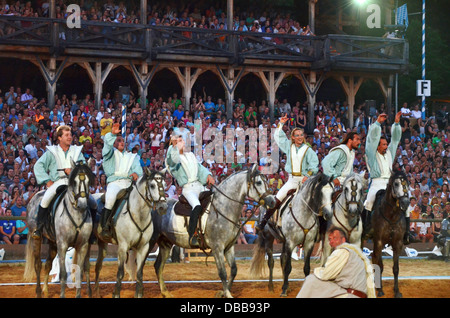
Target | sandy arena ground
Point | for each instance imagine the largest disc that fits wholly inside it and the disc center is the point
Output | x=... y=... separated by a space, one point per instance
x=12 y=284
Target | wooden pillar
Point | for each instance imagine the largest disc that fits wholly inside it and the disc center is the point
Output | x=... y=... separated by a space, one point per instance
x=143 y=79
x=311 y=85
x=187 y=81
x=350 y=88
x=230 y=15
x=143 y=11
x=98 y=77
x=312 y=15
x=51 y=73
x=271 y=84
x=230 y=82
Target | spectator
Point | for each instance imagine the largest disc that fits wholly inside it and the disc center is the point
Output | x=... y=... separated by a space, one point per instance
x=18 y=207
x=22 y=229
x=8 y=230
x=424 y=230
x=249 y=228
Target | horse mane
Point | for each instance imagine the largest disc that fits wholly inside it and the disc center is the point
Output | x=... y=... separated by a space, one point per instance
x=314 y=186
x=81 y=167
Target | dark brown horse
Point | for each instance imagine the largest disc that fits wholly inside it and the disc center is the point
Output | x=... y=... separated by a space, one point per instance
x=388 y=224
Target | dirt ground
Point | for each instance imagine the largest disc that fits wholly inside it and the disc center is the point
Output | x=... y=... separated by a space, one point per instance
x=12 y=284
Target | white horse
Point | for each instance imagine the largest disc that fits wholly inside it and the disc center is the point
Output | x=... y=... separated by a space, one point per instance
x=70 y=226
x=220 y=224
x=346 y=212
x=300 y=225
x=133 y=228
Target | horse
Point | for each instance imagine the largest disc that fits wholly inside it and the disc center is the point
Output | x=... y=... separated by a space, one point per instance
x=346 y=212
x=133 y=227
x=300 y=225
x=388 y=223
x=219 y=225
x=69 y=225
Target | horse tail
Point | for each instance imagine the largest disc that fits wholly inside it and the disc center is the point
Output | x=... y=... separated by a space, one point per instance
x=29 y=272
x=131 y=265
x=259 y=253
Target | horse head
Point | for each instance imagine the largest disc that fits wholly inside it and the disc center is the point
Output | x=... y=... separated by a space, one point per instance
x=258 y=188
x=80 y=179
x=319 y=189
x=155 y=190
x=353 y=188
x=399 y=189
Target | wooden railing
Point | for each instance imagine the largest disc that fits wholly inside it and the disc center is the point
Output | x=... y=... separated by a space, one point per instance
x=152 y=42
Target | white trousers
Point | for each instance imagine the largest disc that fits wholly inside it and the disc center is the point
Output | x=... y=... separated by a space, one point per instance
x=375 y=186
x=51 y=192
x=292 y=183
x=191 y=191
x=113 y=189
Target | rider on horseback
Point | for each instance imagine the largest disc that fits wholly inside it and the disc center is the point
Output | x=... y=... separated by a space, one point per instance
x=191 y=176
x=53 y=169
x=301 y=163
x=120 y=167
x=339 y=164
x=380 y=157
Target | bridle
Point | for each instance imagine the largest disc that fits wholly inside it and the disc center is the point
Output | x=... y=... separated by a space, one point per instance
x=83 y=190
x=353 y=200
x=147 y=197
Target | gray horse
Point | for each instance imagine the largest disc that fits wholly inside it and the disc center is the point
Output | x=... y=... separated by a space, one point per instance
x=133 y=228
x=346 y=212
x=300 y=225
x=70 y=226
x=220 y=224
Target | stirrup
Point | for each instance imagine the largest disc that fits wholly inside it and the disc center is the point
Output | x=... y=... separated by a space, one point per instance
x=193 y=241
x=36 y=234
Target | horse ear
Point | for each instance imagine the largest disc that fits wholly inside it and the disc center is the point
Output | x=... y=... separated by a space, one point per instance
x=163 y=171
x=72 y=163
x=254 y=168
x=147 y=171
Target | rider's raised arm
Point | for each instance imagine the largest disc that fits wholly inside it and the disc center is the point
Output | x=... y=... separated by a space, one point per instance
x=373 y=139
x=283 y=142
x=396 y=136
x=108 y=146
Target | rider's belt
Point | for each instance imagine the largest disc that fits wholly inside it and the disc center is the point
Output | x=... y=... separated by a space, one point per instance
x=297 y=174
x=357 y=293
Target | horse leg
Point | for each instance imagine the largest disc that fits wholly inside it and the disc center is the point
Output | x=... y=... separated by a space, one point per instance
x=286 y=267
x=98 y=265
x=308 y=249
x=62 y=250
x=121 y=258
x=220 y=263
x=163 y=255
x=87 y=268
x=81 y=262
x=395 y=269
x=141 y=255
x=37 y=265
x=48 y=265
x=270 y=262
x=377 y=260
x=229 y=255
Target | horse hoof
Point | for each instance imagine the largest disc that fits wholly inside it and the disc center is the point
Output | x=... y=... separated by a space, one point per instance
x=380 y=293
x=283 y=294
x=398 y=295
x=166 y=295
x=219 y=294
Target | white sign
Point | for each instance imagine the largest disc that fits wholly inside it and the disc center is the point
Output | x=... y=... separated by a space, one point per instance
x=423 y=88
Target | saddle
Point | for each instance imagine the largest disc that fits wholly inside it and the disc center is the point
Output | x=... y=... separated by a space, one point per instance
x=49 y=223
x=183 y=208
x=121 y=198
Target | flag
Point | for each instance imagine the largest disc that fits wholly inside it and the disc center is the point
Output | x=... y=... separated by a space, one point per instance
x=402 y=15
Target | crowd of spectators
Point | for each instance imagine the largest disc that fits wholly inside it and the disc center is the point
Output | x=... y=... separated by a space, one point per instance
x=27 y=126
x=164 y=14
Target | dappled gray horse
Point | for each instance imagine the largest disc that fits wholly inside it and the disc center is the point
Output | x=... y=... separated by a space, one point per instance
x=133 y=228
x=346 y=212
x=220 y=224
x=299 y=226
x=70 y=226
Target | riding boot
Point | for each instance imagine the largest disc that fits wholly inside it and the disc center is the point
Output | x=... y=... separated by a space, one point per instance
x=406 y=236
x=42 y=214
x=267 y=216
x=193 y=220
x=105 y=223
